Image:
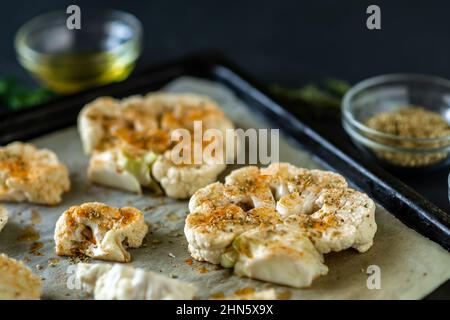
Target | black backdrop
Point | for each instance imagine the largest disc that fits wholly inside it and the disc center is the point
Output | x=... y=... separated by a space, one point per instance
x=284 y=41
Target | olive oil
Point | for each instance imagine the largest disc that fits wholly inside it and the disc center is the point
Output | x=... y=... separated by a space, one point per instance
x=71 y=72
x=104 y=49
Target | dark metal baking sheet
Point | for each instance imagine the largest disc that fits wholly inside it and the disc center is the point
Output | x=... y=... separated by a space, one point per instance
x=406 y=204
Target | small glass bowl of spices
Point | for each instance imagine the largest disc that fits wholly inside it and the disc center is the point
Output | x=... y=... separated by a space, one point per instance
x=401 y=120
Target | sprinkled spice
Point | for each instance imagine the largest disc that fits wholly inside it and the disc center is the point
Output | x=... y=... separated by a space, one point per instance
x=79 y=258
x=284 y=295
x=53 y=262
x=202 y=270
x=35 y=217
x=35 y=247
x=173 y=217
x=218 y=295
x=29 y=234
x=244 y=291
x=411 y=122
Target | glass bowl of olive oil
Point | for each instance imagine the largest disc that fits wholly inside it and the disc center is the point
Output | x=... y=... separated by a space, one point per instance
x=66 y=59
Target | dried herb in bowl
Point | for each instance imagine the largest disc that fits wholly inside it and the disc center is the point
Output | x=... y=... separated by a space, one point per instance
x=410 y=122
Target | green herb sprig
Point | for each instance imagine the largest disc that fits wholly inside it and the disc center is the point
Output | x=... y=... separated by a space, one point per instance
x=328 y=93
x=15 y=96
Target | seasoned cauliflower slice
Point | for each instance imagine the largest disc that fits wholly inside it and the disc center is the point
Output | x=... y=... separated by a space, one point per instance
x=311 y=208
x=3 y=217
x=100 y=231
x=278 y=254
x=346 y=219
x=118 y=282
x=17 y=282
x=209 y=233
x=131 y=144
x=31 y=174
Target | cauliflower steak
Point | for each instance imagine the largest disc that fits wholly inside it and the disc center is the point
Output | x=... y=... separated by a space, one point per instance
x=31 y=174
x=17 y=282
x=131 y=142
x=275 y=223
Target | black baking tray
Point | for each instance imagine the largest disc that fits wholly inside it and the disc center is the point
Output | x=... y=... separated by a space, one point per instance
x=401 y=200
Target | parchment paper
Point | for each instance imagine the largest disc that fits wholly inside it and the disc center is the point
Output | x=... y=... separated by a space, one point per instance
x=411 y=266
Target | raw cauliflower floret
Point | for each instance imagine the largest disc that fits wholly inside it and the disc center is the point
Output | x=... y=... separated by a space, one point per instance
x=31 y=174
x=181 y=182
x=278 y=254
x=346 y=219
x=100 y=231
x=3 y=217
x=297 y=189
x=130 y=142
x=118 y=282
x=17 y=282
x=248 y=186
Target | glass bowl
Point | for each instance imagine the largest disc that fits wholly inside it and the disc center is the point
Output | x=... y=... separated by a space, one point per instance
x=103 y=50
x=390 y=93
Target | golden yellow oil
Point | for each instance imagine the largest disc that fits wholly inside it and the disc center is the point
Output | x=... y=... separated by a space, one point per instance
x=71 y=72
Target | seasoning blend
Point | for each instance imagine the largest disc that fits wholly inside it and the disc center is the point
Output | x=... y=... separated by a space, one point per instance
x=409 y=125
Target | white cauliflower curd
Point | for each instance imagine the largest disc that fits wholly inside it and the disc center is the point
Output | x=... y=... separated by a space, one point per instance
x=278 y=254
x=131 y=142
x=346 y=219
x=100 y=231
x=31 y=174
x=276 y=222
x=119 y=282
x=3 y=217
x=17 y=281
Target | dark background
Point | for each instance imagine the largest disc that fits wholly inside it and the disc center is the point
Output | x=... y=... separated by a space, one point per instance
x=283 y=41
